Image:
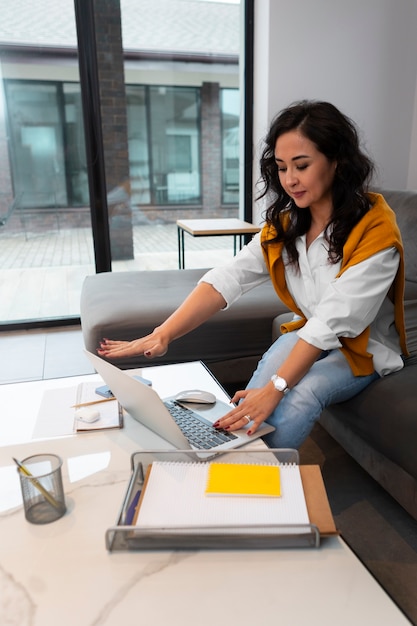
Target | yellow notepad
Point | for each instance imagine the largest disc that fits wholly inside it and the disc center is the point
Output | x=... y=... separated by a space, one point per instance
x=238 y=479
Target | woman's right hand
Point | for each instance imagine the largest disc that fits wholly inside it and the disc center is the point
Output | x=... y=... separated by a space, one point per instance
x=151 y=346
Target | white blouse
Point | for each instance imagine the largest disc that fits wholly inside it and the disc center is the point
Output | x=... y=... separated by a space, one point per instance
x=334 y=307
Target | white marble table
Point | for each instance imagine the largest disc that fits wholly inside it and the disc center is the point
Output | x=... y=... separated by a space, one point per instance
x=61 y=574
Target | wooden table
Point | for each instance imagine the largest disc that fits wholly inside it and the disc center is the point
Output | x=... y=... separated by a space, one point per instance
x=213 y=228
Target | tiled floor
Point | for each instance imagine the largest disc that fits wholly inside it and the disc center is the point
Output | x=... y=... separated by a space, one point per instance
x=42 y=354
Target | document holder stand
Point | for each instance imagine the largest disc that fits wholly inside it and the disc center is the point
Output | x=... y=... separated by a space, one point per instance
x=127 y=537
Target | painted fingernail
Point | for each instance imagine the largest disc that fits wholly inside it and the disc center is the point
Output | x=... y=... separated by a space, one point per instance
x=147 y=353
x=249 y=432
x=216 y=424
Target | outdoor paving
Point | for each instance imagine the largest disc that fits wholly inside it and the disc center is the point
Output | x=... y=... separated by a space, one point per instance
x=41 y=274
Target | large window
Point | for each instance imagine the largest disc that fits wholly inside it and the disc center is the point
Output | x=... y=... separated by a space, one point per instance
x=162 y=80
x=48 y=163
x=175 y=143
x=164 y=140
x=36 y=144
x=230 y=109
x=164 y=144
x=75 y=158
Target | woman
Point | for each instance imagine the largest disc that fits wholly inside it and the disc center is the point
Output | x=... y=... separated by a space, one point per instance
x=333 y=252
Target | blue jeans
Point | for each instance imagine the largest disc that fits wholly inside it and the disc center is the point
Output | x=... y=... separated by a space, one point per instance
x=329 y=380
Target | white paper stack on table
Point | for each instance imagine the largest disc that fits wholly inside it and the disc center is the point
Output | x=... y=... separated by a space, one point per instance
x=178 y=495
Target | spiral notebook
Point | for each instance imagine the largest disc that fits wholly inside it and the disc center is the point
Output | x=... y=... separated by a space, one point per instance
x=175 y=496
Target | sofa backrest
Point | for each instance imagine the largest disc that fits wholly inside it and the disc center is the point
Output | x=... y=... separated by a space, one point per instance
x=404 y=203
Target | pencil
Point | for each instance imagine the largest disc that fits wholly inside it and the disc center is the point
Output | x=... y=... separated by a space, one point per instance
x=78 y=406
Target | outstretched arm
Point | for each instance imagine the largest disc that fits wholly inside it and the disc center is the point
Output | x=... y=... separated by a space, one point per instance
x=203 y=302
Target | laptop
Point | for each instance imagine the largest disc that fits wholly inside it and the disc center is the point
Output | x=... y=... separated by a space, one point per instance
x=162 y=415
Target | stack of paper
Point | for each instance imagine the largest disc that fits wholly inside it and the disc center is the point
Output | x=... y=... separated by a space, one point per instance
x=187 y=495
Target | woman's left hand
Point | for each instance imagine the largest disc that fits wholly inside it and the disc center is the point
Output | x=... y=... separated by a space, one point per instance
x=256 y=406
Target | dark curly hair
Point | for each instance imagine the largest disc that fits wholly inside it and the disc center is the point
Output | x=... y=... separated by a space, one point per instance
x=336 y=137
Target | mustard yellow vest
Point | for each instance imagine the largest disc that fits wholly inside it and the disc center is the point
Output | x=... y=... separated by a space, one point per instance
x=376 y=231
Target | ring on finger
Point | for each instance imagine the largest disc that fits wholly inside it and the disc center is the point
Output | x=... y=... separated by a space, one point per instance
x=247 y=417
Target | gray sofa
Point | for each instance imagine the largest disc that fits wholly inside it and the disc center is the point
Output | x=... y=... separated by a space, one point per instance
x=127 y=305
x=378 y=427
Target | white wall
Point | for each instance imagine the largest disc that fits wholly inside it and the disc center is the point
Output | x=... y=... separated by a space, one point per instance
x=361 y=55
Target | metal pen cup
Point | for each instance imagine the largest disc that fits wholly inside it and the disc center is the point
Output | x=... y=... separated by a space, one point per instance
x=42 y=490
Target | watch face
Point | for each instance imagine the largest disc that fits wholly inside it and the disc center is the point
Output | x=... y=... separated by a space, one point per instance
x=280 y=383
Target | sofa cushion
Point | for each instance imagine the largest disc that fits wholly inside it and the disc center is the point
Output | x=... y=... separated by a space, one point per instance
x=385 y=416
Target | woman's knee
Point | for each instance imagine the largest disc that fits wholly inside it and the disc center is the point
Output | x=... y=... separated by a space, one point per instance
x=294 y=418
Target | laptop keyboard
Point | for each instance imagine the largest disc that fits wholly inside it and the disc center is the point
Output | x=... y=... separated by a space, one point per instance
x=199 y=432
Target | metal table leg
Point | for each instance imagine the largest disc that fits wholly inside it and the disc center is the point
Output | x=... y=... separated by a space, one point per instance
x=181 y=253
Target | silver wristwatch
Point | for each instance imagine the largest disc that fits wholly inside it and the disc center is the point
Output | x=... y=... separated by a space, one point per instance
x=280 y=384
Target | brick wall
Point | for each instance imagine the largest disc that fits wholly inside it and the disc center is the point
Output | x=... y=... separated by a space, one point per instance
x=114 y=123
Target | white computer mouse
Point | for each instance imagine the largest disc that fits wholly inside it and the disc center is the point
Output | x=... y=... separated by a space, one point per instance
x=87 y=414
x=196 y=395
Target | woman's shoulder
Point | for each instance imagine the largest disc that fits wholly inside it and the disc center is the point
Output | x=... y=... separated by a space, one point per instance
x=380 y=212
x=376 y=230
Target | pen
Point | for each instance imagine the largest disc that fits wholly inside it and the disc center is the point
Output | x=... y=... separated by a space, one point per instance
x=37 y=484
x=78 y=406
x=130 y=515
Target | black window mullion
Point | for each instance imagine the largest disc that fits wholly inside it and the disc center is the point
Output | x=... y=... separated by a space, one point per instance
x=248 y=58
x=90 y=97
